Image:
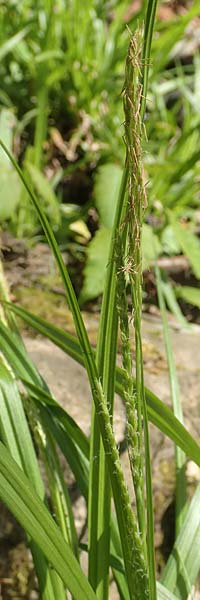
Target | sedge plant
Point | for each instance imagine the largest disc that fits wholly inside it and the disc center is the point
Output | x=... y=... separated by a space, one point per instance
x=122 y=540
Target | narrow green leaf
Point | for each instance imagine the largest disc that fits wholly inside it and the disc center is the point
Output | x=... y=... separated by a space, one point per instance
x=126 y=519
x=70 y=426
x=99 y=480
x=159 y=414
x=75 y=458
x=60 y=499
x=164 y=593
x=15 y=434
x=10 y=43
x=183 y=565
x=15 y=429
x=22 y=501
x=151 y=6
x=173 y=305
x=181 y=497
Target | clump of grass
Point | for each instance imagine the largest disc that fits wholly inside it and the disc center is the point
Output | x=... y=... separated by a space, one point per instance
x=124 y=543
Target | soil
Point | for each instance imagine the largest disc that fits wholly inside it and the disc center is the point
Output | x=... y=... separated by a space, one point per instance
x=68 y=382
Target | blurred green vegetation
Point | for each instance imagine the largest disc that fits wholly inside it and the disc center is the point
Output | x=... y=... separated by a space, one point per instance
x=61 y=72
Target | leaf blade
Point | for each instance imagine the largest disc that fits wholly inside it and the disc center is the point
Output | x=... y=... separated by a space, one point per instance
x=28 y=509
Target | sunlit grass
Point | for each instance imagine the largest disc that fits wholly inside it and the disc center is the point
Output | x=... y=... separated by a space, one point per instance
x=125 y=542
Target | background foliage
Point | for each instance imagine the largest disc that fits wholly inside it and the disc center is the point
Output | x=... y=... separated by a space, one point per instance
x=61 y=82
x=62 y=75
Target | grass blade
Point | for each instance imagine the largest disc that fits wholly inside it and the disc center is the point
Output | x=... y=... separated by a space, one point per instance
x=183 y=565
x=181 y=496
x=10 y=44
x=99 y=527
x=148 y=33
x=21 y=499
x=60 y=499
x=173 y=305
x=15 y=434
x=164 y=593
x=136 y=577
x=158 y=413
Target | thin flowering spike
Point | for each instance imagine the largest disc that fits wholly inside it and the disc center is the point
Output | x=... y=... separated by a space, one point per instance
x=129 y=393
x=131 y=269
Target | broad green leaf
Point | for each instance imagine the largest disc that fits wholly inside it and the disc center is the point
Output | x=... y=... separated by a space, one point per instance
x=10 y=185
x=22 y=501
x=151 y=247
x=189 y=244
x=10 y=190
x=183 y=565
x=44 y=189
x=189 y=294
x=159 y=414
x=7 y=123
x=97 y=259
x=169 y=242
x=106 y=190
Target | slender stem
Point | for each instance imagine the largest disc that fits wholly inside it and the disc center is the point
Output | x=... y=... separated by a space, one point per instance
x=134 y=560
x=99 y=503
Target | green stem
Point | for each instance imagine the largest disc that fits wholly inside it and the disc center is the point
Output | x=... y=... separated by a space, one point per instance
x=134 y=560
x=99 y=518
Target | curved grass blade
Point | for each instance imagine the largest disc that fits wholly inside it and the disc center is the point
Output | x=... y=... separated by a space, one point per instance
x=15 y=433
x=61 y=415
x=171 y=301
x=99 y=502
x=106 y=360
x=64 y=431
x=132 y=550
x=183 y=565
x=158 y=413
x=75 y=458
x=22 y=501
x=10 y=43
x=181 y=495
x=164 y=593
x=60 y=500
x=148 y=33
